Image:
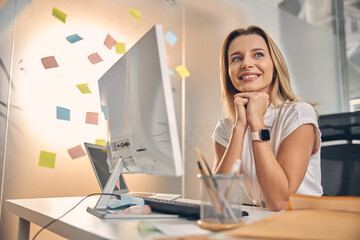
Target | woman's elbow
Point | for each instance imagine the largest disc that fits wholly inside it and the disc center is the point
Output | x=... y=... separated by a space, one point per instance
x=276 y=205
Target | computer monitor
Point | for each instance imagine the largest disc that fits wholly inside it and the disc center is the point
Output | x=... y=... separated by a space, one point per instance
x=136 y=99
x=97 y=156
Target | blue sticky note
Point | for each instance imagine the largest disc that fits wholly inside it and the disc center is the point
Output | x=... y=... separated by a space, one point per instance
x=74 y=38
x=171 y=38
x=103 y=109
x=171 y=72
x=63 y=113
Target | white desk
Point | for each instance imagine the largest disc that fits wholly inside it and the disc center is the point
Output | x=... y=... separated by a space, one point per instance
x=79 y=224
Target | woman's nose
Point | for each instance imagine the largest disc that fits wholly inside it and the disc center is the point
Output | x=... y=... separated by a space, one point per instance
x=246 y=63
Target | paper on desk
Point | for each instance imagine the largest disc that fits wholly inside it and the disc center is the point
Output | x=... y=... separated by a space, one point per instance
x=345 y=204
x=165 y=196
x=309 y=218
x=179 y=229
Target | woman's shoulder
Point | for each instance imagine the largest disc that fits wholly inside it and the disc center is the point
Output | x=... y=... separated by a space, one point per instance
x=224 y=123
x=299 y=110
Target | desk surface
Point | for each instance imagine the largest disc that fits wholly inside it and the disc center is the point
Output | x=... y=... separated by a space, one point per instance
x=79 y=224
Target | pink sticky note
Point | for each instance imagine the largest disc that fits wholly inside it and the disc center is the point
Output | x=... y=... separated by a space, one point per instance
x=49 y=62
x=109 y=42
x=95 y=58
x=92 y=118
x=76 y=152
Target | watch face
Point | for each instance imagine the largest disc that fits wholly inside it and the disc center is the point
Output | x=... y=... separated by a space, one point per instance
x=265 y=134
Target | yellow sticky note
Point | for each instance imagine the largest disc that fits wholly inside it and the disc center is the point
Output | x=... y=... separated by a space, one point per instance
x=47 y=159
x=100 y=142
x=83 y=88
x=182 y=71
x=120 y=48
x=59 y=14
x=135 y=13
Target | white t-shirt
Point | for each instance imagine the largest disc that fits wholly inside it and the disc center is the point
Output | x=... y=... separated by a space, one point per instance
x=281 y=122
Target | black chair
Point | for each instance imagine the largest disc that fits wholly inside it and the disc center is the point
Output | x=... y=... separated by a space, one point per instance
x=340 y=170
x=340 y=163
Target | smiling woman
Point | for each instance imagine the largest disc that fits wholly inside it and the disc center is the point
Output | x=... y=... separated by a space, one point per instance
x=275 y=135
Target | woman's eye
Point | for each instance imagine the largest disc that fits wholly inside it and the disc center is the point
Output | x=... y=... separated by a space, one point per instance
x=259 y=54
x=235 y=59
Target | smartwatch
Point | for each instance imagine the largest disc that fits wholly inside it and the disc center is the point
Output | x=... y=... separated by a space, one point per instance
x=261 y=135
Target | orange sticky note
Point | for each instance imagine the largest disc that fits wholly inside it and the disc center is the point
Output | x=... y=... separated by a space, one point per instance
x=100 y=142
x=120 y=48
x=92 y=118
x=84 y=88
x=47 y=159
x=182 y=71
x=49 y=62
x=95 y=58
x=76 y=152
x=135 y=13
x=109 y=41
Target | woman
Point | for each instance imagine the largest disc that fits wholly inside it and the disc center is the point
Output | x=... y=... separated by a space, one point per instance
x=274 y=134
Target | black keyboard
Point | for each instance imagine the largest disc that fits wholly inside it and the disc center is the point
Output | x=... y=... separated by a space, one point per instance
x=183 y=209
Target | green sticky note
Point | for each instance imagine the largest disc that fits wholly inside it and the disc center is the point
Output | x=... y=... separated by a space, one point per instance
x=120 y=48
x=59 y=14
x=47 y=159
x=182 y=71
x=100 y=142
x=83 y=88
x=135 y=13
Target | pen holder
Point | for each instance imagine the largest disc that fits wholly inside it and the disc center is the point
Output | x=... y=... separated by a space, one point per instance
x=220 y=202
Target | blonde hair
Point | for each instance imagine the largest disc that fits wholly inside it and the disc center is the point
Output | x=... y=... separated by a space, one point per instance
x=281 y=91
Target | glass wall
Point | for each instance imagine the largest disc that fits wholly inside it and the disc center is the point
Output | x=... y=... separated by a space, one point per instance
x=48 y=49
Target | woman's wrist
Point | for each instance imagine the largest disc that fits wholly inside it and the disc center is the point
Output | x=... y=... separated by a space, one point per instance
x=256 y=126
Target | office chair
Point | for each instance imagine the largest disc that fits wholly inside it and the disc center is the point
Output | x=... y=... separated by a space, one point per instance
x=340 y=170
x=340 y=164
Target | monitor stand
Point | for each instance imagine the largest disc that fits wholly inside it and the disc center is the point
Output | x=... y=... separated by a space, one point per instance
x=101 y=209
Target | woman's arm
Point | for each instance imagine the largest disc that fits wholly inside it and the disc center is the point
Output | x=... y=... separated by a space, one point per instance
x=281 y=176
x=226 y=157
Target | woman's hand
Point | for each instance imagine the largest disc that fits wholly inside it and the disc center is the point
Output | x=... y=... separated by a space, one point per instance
x=257 y=104
x=240 y=108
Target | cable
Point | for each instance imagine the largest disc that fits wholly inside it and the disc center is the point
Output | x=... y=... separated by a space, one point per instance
x=93 y=194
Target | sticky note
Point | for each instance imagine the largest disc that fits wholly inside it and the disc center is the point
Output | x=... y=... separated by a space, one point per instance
x=62 y=113
x=171 y=38
x=49 y=62
x=95 y=58
x=100 y=142
x=92 y=118
x=59 y=14
x=120 y=48
x=182 y=71
x=74 y=38
x=76 y=152
x=83 y=88
x=109 y=41
x=103 y=109
x=47 y=159
x=135 y=13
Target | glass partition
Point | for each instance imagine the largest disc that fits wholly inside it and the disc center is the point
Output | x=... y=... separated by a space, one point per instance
x=53 y=53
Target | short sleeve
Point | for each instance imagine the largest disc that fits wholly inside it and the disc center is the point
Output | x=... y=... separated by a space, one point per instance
x=222 y=132
x=299 y=114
